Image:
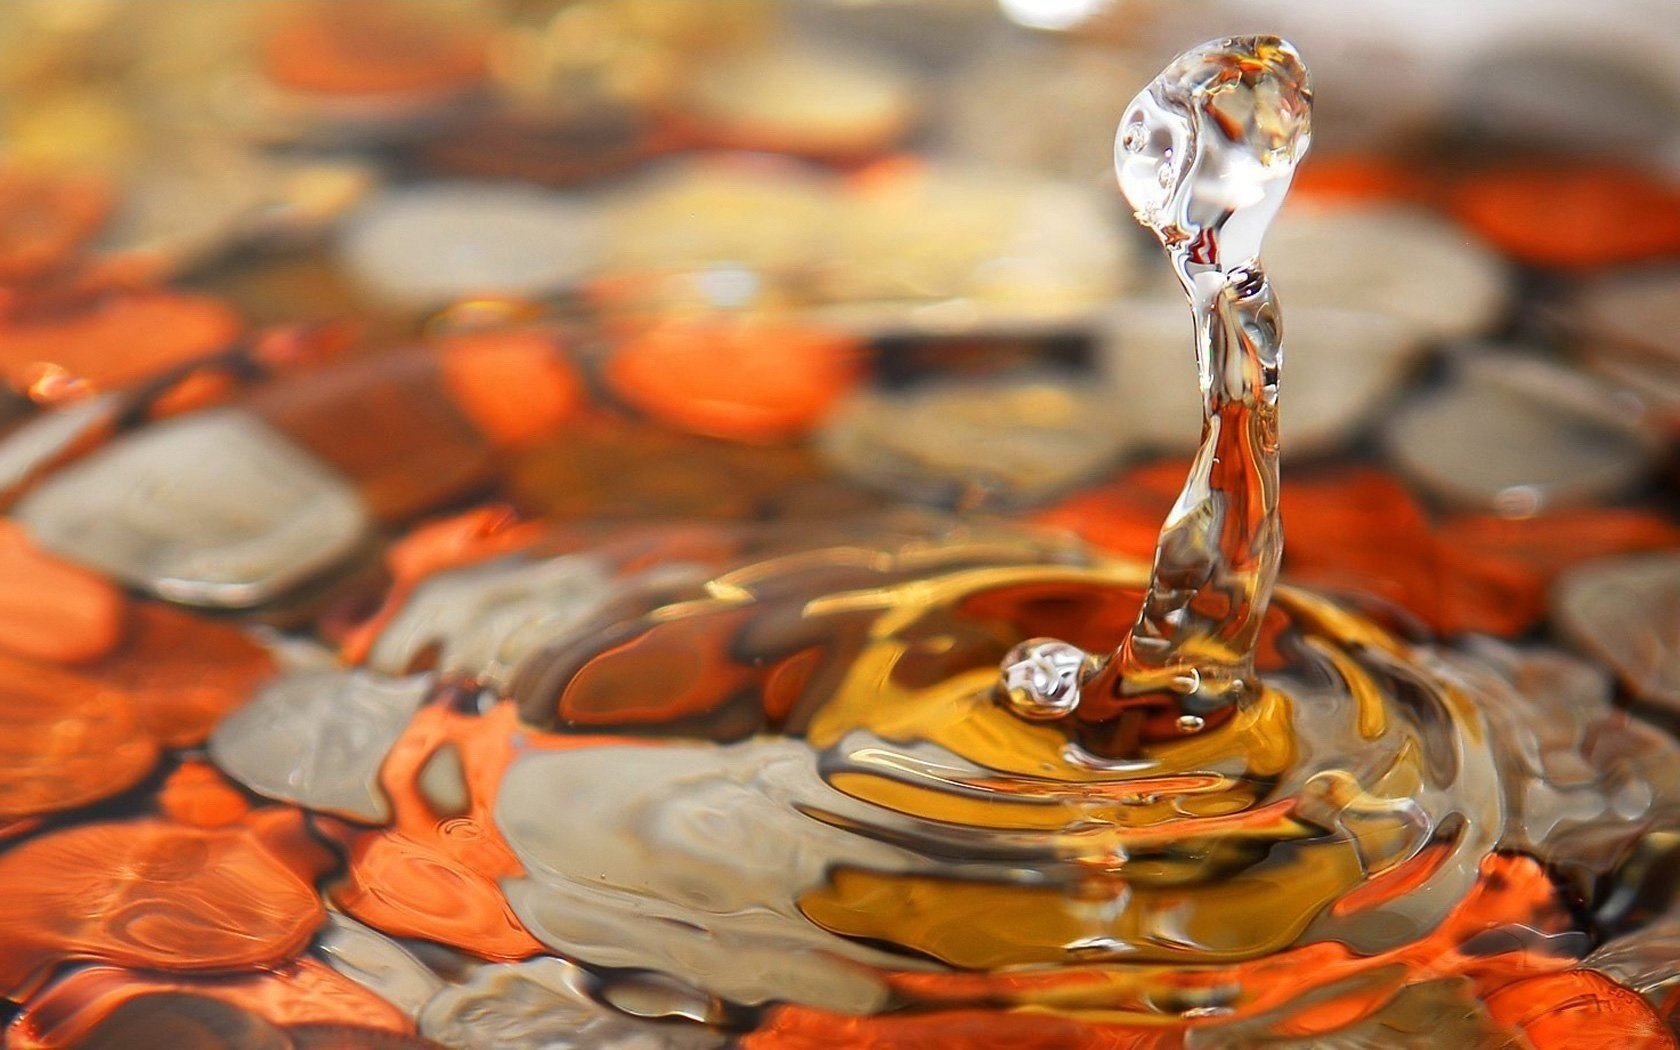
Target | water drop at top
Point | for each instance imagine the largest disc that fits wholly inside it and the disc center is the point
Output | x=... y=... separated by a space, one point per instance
x=1205 y=153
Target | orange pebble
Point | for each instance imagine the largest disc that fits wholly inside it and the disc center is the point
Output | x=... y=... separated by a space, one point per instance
x=51 y=610
x=1354 y=178
x=358 y=47
x=183 y=672
x=803 y=1028
x=45 y=219
x=119 y=339
x=66 y=741
x=1572 y=217
x=515 y=386
x=196 y=793
x=741 y=378
x=153 y=895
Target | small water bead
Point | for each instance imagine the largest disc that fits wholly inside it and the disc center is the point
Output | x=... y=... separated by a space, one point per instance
x=1042 y=677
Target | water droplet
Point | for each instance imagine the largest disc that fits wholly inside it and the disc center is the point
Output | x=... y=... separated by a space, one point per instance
x=1042 y=676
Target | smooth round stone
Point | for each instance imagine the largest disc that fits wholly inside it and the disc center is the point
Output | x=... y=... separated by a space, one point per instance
x=186 y=206
x=214 y=508
x=801 y=98
x=439 y=242
x=35 y=442
x=1653 y=380
x=992 y=108
x=1626 y=612
x=546 y=1003
x=1597 y=89
x=1517 y=435
x=689 y=860
x=377 y=963
x=752 y=215
x=484 y=620
x=1401 y=262
x=1339 y=368
x=1018 y=440
x=1637 y=312
x=953 y=232
x=318 y=738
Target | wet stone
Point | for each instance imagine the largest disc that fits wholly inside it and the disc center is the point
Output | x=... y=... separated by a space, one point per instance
x=546 y=1003
x=689 y=860
x=37 y=441
x=1401 y=262
x=434 y=243
x=1637 y=312
x=211 y=509
x=1626 y=612
x=1009 y=441
x=1514 y=434
x=377 y=963
x=484 y=620
x=318 y=738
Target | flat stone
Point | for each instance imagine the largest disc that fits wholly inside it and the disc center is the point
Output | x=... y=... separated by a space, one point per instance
x=438 y=242
x=484 y=619
x=214 y=509
x=546 y=1003
x=689 y=860
x=1515 y=434
x=1012 y=441
x=1402 y=262
x=1626 y=612
x=33 y=444
x=318 y=738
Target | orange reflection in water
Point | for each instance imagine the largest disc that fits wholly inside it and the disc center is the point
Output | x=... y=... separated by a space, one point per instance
x=434 y=873
x=74 y=736
x=1488 y=940
x=197 y=794
x=515 y=385
x=183 y=672
x=372 y=48
x=66 y=740
x=1358 y=531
